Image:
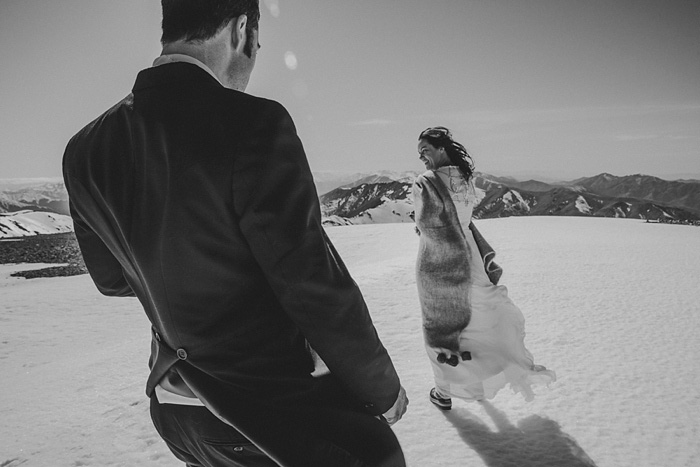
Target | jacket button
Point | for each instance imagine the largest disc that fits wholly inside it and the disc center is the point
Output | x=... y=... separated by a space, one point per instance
x=181 y=354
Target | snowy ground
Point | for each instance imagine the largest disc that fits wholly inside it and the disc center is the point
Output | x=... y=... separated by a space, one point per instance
x=613 y=306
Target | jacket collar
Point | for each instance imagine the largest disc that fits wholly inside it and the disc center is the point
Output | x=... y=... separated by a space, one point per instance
x=174 y=58
x=170 y=73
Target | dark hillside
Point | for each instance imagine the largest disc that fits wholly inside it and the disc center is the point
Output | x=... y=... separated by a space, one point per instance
x=57 y=248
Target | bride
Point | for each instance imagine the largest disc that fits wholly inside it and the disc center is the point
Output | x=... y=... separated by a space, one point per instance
x=474 y=334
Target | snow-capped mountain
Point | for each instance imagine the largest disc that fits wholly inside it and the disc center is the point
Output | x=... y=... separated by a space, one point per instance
x=385 y=197
x=384 y=176
x=573 y=201
x=25 y=223
x=328 y=181
x=368 y=203
x=46 y=195
x=684 y=194
x=376 y=200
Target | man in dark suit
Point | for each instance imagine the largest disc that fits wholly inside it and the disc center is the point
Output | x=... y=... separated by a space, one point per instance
x=198 y=199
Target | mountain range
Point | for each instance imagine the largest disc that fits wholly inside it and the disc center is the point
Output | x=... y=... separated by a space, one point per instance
x=604 y=195
x=33 y=206
x=39 y=194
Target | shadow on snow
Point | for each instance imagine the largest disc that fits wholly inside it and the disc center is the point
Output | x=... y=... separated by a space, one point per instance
x=535 y=442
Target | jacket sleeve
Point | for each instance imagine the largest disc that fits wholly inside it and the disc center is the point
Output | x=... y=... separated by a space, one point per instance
x=276 y=200
x=105 y=271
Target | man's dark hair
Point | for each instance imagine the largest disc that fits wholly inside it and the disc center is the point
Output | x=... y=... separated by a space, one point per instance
x=198 y=20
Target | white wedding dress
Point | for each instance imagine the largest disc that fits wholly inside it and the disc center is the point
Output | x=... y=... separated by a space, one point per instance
x=496 y=331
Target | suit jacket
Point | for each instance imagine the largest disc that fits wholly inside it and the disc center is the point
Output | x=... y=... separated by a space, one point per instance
x=198 y=200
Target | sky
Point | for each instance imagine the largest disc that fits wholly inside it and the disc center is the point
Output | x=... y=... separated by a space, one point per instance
x=553 y=89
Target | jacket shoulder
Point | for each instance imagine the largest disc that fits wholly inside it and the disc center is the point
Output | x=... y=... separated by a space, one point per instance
x=94 y=126
x=256 y=103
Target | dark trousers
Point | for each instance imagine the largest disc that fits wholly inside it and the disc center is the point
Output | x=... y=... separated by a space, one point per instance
x=346 y=438
x=199 y=439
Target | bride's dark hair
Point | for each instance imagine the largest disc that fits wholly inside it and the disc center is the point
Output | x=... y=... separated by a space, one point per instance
x=441 y=137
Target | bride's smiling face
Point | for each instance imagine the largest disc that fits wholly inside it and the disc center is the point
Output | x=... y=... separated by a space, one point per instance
x=432 y=157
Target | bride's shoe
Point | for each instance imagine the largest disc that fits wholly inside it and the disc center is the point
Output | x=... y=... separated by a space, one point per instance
x=439 y=401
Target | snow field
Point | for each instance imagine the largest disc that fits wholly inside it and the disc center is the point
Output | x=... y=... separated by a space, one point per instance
x=612 y=305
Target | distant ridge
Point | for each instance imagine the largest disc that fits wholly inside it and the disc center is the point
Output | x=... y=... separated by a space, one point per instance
x=685 y=194
x=43 y=194
x=604 y=195
x=385 y=197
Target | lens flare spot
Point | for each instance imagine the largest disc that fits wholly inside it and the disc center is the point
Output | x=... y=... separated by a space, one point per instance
x=291 y=60
x=274 y=7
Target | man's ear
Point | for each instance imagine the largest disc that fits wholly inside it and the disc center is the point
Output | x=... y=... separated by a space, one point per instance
x=238 y=33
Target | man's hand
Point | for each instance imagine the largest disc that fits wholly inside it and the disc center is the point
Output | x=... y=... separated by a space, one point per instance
x=397 y=410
